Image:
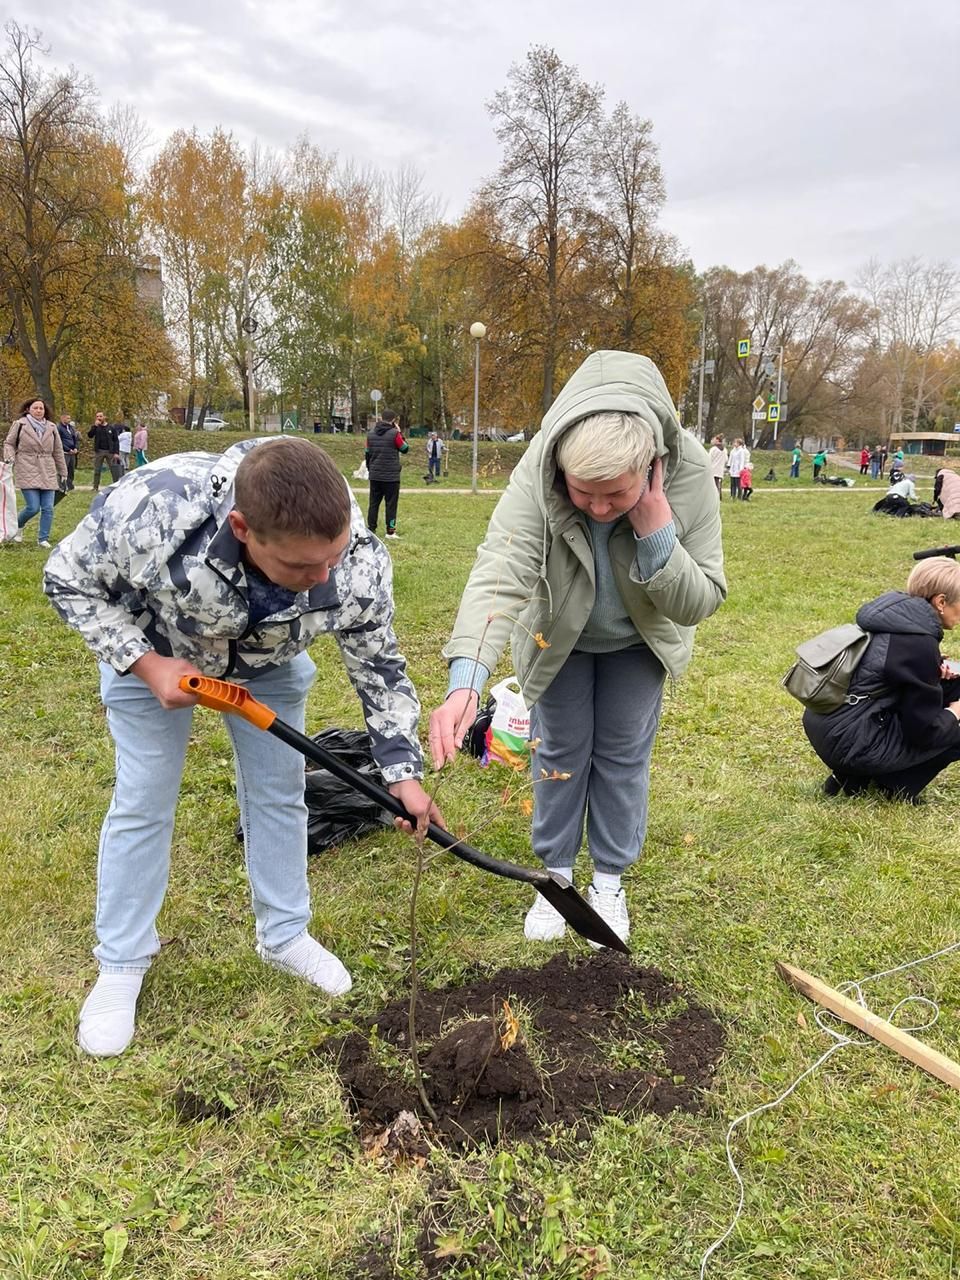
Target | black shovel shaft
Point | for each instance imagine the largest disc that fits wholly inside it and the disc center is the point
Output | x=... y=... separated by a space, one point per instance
x=439 y=835
x=562 y=896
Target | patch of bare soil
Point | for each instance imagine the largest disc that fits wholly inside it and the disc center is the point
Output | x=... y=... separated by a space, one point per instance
x=604 y=1035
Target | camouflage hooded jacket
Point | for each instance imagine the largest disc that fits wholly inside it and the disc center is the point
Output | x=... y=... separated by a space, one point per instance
x=155 y=566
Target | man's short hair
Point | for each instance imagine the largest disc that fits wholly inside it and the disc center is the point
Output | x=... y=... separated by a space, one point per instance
x=388 y=415
x=605 y=445
x=292 y=488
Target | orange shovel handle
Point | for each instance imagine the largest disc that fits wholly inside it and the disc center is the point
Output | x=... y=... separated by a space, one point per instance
x=221 y=695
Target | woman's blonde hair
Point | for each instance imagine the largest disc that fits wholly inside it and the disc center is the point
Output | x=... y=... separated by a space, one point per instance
x=933 y=577
x=605 y=445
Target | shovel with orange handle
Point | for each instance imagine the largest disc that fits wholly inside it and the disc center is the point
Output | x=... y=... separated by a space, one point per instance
x=222 y=695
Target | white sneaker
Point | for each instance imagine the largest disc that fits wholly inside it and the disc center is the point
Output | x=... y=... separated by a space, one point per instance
x=17 y=537
x=611 y=907
x=108 y=1014
x=305 y=958
x=396 y=536
x=45 y=544
x=543 y=923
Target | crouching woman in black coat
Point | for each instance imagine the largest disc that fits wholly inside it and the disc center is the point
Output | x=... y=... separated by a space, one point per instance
x=900 y=725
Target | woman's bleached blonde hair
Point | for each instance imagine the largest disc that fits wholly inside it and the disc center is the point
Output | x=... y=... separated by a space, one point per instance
x=933 y=577
x=605 y=445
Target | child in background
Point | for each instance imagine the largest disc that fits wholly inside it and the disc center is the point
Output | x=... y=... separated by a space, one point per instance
x=746 y=481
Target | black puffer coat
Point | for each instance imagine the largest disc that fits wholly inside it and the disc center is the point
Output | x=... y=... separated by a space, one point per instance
x=906 y=722
x=384 y=446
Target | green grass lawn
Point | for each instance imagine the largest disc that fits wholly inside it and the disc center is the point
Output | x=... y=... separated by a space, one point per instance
x=856 y=1175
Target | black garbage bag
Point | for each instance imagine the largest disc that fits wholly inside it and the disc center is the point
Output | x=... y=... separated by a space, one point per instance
x=335 y=812
x=475 y=739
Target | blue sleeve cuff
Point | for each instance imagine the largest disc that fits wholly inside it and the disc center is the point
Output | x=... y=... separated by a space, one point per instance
x=467 y=673
x=655 y=550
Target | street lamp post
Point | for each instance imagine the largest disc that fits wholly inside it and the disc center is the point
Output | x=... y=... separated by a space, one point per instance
x=477 y=331
x=423 y=339
x=249 y=326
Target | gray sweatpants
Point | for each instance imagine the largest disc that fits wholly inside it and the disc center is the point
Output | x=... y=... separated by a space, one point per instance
x=597 y=721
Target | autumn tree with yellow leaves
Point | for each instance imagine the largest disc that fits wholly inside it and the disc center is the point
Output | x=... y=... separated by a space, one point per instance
x=69 y=241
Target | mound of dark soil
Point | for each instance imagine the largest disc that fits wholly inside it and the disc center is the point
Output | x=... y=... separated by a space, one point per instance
x=608 y=1037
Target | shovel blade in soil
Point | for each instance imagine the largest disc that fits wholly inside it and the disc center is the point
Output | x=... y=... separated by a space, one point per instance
x=578 y=913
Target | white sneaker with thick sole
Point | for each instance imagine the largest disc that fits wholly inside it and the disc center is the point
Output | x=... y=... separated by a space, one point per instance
x=543 y=923
x=108 y=1015
x=395 y=537
x=17 y=537
x=45 y=544
x=305 y=958
x=611 y=907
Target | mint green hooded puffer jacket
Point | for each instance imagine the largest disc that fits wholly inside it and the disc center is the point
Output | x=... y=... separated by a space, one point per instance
x=534 y=572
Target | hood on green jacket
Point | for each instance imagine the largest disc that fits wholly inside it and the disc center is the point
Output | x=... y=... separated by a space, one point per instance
x=618 y=382
x=534 y=571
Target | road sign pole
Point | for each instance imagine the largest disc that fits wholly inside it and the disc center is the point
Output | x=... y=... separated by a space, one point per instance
x=703 y=352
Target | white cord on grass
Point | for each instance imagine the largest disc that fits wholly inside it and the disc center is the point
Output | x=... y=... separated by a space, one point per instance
x=842 y=1039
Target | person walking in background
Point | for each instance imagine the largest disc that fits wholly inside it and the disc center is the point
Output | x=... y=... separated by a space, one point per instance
x=739 y=455
x=34 y=449
x=819 y=462
x=70 y=439
x=876 y=462
x=746 y=481
x=864 y=460
x=106 y=449
x=140 y=445
x=385 y=444
x=717 y=457
x=795 y=461
x=435 y=447
x=124 y=445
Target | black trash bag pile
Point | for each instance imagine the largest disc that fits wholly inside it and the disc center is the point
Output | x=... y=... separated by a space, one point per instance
x=475 y=739
x=335 y=812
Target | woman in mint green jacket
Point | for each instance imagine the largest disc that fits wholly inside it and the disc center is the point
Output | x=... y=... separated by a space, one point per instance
x=601 y=557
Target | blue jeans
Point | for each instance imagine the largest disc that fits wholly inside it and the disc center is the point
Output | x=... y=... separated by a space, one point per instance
x=597 y=721
x=38 y=500
x=433 y=467
x=134 y=857
x=794 y=470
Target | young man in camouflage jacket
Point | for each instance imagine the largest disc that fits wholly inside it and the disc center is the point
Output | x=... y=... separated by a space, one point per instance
x=226 y=566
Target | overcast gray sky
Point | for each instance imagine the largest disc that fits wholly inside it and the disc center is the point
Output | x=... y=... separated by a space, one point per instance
x=824 y=132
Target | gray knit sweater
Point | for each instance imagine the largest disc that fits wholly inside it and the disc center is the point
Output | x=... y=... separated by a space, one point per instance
x=609 y=626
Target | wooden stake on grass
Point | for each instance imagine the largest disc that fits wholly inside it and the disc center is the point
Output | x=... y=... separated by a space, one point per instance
x=901 y=1042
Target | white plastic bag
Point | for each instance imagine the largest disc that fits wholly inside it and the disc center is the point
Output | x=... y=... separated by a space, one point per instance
x=508 y=738
x=361 y=472
x=8 y=503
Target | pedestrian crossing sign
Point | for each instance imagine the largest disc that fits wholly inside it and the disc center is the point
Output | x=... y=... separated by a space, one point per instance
x=743 y=348
x=773 y=412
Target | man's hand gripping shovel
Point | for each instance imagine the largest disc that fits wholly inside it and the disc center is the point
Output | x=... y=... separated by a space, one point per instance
x=221 y=695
